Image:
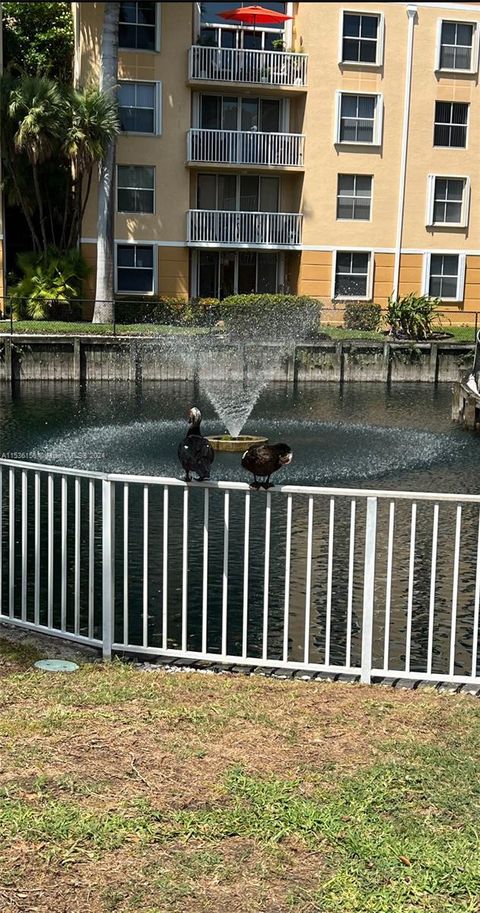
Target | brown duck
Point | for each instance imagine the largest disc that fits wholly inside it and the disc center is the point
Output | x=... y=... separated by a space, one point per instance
x=263 y=460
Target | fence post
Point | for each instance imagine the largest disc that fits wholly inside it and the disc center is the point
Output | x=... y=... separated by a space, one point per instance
x=368 y=590
x=108 y=566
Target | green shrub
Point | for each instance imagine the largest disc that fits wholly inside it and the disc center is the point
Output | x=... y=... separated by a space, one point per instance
x=362 y=315
x=135 y=310
x=48 y=285
x=414 y=316
x=275 y=316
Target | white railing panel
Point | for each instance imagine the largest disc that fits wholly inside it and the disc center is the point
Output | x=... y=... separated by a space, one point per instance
x=245 y=147
x=350 y=582
x=269 y=229
x=272 y=68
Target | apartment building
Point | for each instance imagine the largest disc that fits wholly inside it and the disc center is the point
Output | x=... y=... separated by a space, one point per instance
x=336 y=154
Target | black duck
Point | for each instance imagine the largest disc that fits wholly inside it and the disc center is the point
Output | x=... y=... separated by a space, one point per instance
x=195 y=452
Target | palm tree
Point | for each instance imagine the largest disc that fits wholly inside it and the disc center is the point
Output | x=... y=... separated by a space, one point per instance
x=16 y=170
x=93 y=126
x=38 y=109
x=103 y=311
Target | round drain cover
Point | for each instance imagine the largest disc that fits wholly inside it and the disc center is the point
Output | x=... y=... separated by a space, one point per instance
x=56 y=665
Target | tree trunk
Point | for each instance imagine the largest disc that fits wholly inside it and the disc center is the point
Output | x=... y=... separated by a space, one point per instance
x=41 y=213
x=104 y=305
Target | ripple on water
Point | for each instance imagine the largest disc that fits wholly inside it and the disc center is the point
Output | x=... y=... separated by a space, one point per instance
x=324 y=452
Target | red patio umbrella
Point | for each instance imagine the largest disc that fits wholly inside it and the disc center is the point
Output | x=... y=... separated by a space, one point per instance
x=254 y=14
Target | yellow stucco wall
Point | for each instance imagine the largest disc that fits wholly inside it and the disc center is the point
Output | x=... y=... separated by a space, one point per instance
x=316 y=31
x=167 y=151
x=173 y=272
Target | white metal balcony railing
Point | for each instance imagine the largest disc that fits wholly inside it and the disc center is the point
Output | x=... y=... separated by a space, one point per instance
x=245 y=147
x=274 y=68
x=370 y=583
x=272 y=229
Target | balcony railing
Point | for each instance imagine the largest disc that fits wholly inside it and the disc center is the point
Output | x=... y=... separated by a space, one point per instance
x=245 y=147
x=262 y=229
x=272 y=68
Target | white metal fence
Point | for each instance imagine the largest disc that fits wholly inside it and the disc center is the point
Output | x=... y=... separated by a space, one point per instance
x=269 y=229
x=245 y=147
x=369 y=583
x=274 y=68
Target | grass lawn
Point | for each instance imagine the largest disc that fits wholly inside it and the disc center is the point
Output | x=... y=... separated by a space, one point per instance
x=143 y=792
x=459 y=333
x=98 y=329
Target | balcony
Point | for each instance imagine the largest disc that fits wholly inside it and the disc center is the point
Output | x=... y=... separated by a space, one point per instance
x=276 y=69
x=245 y=147
x=214 y=228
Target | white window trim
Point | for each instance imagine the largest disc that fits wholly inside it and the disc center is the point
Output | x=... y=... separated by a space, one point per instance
x=377 y=123
x=131 y=211
x=380 y=39
x=371 y=266
x=158 y=111
x=154 y=247
x=475 y=48
x=460 y=293
x=431 y=201
x=158 y=36
x=467 y=125
x=357 y=174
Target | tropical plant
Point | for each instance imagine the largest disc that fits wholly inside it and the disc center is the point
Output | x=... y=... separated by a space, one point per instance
x=362 y=315
x=92 y=126
x=51 y=139
x=38 y=39
x=414 y=316
x=104 y=306
x=47 y=282
x=37 y=109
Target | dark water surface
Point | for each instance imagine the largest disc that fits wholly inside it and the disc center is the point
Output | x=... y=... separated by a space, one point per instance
x=361 y=435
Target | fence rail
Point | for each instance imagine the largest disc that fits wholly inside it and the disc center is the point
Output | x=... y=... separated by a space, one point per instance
x=364 y=582
x=265 y=229
x=245 y=147
x=271 y=68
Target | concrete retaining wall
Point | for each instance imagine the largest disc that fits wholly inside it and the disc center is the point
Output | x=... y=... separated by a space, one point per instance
x=84 y=358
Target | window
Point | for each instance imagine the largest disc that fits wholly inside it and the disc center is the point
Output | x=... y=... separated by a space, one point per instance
x=354 y=196
x=451 y=120
x=241 y=193
x=137 y=26
x=445 y=276
x=457 y=46
x=230 y=272
x=362 y=38
x=228 y=113
x=135 y=273
x=139 y=107
x=359 y=119
x=447 y=202
x=135 y=188
x=352 y=275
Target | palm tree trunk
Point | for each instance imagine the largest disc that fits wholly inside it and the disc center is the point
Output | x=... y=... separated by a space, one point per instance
x=41 y=213
x=85 y=201
x=19 y=196
x=103 y=311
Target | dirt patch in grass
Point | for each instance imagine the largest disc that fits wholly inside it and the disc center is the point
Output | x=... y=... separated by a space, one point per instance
x=146 y=792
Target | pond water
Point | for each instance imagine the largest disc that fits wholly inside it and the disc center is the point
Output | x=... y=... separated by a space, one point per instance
x=362 y=435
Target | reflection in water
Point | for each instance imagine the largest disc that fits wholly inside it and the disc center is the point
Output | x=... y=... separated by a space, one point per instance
x=361 y=436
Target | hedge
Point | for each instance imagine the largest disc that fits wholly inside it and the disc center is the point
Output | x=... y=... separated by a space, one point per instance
x=362 y=315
